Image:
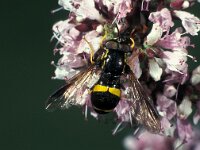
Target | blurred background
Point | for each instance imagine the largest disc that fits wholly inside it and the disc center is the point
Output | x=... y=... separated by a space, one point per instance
x=26 y=53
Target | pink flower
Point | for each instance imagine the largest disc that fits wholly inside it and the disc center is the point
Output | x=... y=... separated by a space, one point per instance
x=190 y=22
x=63 y=32
x=67 y=4
x=184 y=129
x=93 y=38
x=162 y=18
x=74 y=61
x=167 y=127
x=169 y=91
x=83 y=9
x=174 y=40
x=194 y=143
x=175 y=61
x=149 y=141
x=64 y=72
x=196 y=116
x=123 y=111
x=125 y=7
x=116 y=9
x=176 y=77
x=166 y=106
x=158 y=59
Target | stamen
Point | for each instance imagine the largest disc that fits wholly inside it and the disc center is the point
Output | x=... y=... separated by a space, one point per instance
x=53 y=63
x=58 y=37
x=53 y=37
x=142 y=6
x=86 y=111
x=116 y=128
x=57 y=43
x=130 y=117
x=56 y=10
x=192 y=57
x=114 y=21
x=136 y=131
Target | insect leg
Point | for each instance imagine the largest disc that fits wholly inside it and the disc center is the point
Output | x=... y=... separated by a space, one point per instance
x=133 y=43
x=91 y=50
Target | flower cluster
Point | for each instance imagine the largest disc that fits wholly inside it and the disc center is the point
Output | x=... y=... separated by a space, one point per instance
x=159 y=59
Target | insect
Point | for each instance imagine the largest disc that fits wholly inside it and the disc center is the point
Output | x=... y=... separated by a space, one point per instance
x=102 y=81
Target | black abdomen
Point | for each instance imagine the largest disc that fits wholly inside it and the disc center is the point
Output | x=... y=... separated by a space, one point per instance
x=106 y=93
x=104 y=102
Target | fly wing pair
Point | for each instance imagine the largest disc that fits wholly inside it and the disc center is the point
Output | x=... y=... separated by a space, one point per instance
x=142 y=108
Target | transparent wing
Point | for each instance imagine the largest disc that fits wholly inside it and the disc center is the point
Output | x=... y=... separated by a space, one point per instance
x=142 y=108
x=73 y=91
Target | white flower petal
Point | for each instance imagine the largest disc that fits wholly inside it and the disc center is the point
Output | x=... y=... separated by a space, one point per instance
x=82 y=8
x=166 y=126
x=87 y=10
x=175 y=61
x=130 y=143
x=169 y=91
x=67 y=4
x=185 y=108
x=195 y=79
x=185 y=4
x=64 y=72
x=154 y=35
x=160 y=62
x=155 y=70
x=196 y=118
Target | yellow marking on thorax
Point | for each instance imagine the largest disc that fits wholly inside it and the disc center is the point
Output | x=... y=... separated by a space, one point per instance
x=102 y=88
x=104 y=62
x=103 y=57
x=105 y=54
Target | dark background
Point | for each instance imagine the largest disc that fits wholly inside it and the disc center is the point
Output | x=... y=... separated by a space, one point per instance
x=26 y=53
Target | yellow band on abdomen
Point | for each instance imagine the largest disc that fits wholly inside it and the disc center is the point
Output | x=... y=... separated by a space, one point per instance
x=102 y=88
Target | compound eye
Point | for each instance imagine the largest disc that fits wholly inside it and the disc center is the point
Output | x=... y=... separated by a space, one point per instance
x=111 y=45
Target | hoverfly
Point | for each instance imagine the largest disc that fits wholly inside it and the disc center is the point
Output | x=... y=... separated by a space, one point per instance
x=102 y=80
